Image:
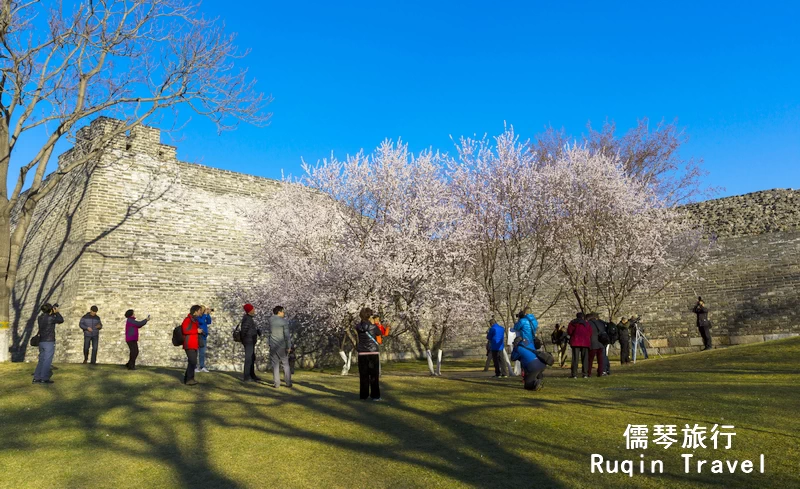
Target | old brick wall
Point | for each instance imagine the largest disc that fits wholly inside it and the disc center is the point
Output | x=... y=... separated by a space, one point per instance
x=144 y=231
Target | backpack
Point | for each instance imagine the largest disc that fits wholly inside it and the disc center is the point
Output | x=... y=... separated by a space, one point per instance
x=602 y=336
x=613 y=332
x=177 y=335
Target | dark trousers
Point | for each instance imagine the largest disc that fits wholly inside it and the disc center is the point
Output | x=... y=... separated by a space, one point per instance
x=368 y=374
x=624 y=349
x=582 y=353
x=705 y=332
x=496 y=360
x=534 y=373
x=90 y=340
x=597 y=352
x=249 y=361
x=133 y=346
x=562 y=353
x=191 y=355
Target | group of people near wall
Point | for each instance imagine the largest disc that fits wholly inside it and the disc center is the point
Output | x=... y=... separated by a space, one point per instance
x=587 y=337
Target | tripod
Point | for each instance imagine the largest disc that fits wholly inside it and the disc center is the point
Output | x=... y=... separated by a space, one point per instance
x=640 y=337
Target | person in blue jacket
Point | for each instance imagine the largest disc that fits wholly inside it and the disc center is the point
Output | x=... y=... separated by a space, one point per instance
x=533 y=368
x=496 y=336
x=527 y=325
x=204 y=320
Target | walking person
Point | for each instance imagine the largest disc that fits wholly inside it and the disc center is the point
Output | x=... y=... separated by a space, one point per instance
x=560 y=338
x=204 y=320
x=91 y=325
x=250 y=333
x=624 y=341
x=368 y=356
x=191 y=342
x=596 y=347
x=47 y=342
x=132 y=337
x=532 y=367
x=580 y=339
x=280 y=343
x=703 y=324
x=496 y=337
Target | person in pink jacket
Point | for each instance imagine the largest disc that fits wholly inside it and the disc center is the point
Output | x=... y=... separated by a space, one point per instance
x=132 y=337
x=580 y=339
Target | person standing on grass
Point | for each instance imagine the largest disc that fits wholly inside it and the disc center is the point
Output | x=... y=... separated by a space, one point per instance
x=368 y=356
x=496 y=337
x=191 y=342
x=703 y=324
x=384 y=329
x=132 y=337
x=250 y=333
x=560 y=338
x=47 y=343
x=532 y=367
x=580 y=339
x=596 y=347
x=280 y=342
x=91 y=325
x=624 y=341
x=204 y=320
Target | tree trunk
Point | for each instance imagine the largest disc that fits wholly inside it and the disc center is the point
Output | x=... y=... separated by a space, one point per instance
x=346 y=358
x=430 y=362
x=439 y=363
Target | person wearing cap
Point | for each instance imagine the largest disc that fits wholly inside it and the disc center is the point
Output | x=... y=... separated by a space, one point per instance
x=250 y=334
x=91 y=325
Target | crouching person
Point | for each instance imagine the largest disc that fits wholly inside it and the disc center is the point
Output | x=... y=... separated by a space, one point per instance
x=532 y=366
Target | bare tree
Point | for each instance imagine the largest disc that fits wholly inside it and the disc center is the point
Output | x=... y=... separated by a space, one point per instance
x=64 y=63
x=651 y=156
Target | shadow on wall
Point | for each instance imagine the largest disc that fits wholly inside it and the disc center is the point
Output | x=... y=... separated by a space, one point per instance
x=55 y=259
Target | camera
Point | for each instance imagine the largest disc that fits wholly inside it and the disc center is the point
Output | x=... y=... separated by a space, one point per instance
x=55 y=306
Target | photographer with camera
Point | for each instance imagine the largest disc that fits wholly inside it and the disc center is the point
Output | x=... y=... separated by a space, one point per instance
x=703 y=323
x=624 y=341
x=46 y=342
x=579 y=332
x=598 y=344
x=132 y=337
x=637 y=331
x=250 y=334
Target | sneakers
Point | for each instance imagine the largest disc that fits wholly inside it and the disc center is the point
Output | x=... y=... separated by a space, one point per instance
x=204 y=370
x=378 y=399
x=573 y=377
x=197 y=370
x=585 y=377
x=539 y=386
x=191 y=382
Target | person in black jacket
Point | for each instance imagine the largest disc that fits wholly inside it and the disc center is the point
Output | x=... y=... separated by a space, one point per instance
x=47 y=342
x=250 y=334
x=703 y=324
x=597 y=347
x=91 y=325
x=368 y=356
x=624 y=341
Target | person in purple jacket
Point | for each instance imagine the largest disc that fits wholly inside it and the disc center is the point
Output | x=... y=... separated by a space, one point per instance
x=132 y=337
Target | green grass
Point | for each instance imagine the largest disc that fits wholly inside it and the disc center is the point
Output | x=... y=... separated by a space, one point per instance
x=107 y=427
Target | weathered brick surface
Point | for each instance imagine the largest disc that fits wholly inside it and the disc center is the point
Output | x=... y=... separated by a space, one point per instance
x=148 y=232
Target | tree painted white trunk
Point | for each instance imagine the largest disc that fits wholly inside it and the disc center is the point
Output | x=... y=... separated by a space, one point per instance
x=508 y=363
x=430 y=362
x=439 y=363
x=346 y=358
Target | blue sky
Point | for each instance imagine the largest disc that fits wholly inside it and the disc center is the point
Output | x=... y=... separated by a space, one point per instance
x=346 y=75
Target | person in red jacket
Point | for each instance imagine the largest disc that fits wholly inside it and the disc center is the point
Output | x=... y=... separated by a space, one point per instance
x=191 y=342
x=580 y=339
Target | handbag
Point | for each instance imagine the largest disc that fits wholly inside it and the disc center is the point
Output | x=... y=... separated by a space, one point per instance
x=237 y=333
x=35 y=339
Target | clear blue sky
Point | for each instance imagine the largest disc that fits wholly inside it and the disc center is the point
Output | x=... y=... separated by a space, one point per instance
x=346 y=75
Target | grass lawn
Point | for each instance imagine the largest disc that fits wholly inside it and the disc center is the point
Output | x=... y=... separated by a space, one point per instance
x=108 y=427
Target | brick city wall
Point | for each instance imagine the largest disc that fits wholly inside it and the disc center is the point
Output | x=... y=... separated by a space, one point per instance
x=144 y=231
